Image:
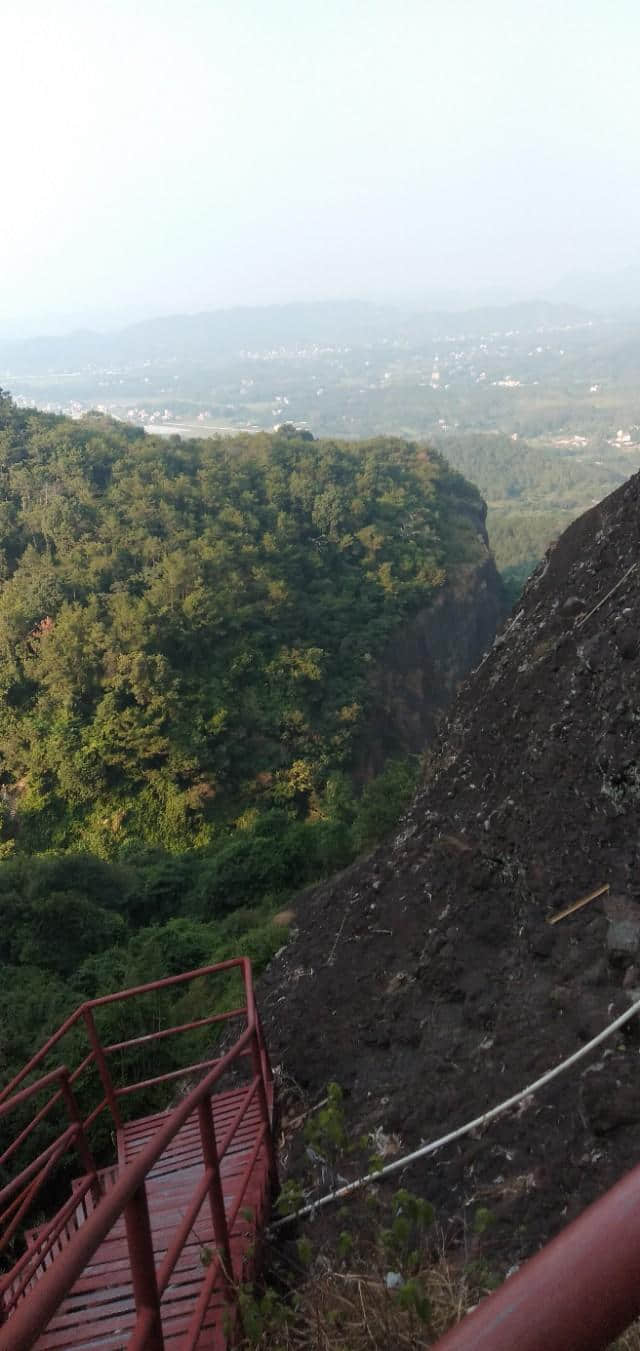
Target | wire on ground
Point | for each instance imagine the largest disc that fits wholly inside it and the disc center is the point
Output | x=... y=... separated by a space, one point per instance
x=398 y=1164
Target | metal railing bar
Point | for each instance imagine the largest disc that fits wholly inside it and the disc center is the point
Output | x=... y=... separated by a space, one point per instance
x=143 y=1324
x=15 y=1144
x=143 y=1267
x=166 y=1269
x=246 y=1176
x=200 y=1311
x=101 y=1064
x=13 y=1205
x=85 y=1152
x=216 y=1194
x=128 y=1195
x=258 y=1069
x=93 y=1116
x=579 y=1290
x=232 y=1129
x=28 y=1172
x=25 y=1093
x=169 y=980
x=7 y=1091
x=32 y=1316
x=169 y=1031
x=34 y=1250
x=165 y=1078
x=81 y=1067
x=32 y=1191
x=166 y=982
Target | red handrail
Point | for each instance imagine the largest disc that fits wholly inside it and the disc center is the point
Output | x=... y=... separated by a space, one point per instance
x=41 y=1246
x=48 y=1158
x=30 y=1192
x=171 y=1031
x=33 y=1315
x=40 y=1055
x=127 y=1196
x=580 y=1291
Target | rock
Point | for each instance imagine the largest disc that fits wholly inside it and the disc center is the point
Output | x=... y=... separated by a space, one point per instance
x=543 y=942
x=573 y=605
x=554 y=752
x=609 y=1110
x=560 y=997
x=596 y=974
x=630 y=978
x=623 y=940
x=627 y=643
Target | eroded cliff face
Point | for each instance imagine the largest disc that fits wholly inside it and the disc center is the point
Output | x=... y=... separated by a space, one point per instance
x=424 y=664
x=426 y=978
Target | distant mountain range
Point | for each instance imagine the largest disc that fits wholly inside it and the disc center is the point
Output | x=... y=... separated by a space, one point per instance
x=610 y=293
x=213 y=336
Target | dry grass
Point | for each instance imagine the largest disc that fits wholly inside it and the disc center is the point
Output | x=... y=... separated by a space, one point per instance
x=630 y=1340
x=352 y=1310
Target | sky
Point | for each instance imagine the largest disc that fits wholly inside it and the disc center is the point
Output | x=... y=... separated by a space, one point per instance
x=179 y=155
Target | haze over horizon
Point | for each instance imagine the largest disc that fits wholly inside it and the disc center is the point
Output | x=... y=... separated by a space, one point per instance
x=192 y=157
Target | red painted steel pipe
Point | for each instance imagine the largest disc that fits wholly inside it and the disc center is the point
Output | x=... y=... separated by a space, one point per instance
x=166 y=981
x=101 y=1065
x=54 y=1076
x=40 y=1055
x=40 y=1247
x=143 y=1267
x=577 y=1294
x=34 y=1313
x=171 y=1031
x=184 y=1073
x=180 y=1236
x=216 y=1194
x=85 y=1153
x=231 y=1132
x=24 y=1176
x=258 y=1070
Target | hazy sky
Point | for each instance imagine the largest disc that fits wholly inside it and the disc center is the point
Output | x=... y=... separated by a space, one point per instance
x=185 y=154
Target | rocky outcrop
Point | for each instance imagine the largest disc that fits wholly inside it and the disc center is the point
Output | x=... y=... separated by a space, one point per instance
x=419 y=675
x=427 y=980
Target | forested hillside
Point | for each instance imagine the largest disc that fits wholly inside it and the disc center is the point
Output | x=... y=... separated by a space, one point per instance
x=534 y=403
x=187 y=636
x=186 y=628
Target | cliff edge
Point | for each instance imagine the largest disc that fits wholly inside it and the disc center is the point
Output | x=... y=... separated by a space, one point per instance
x=426 y=978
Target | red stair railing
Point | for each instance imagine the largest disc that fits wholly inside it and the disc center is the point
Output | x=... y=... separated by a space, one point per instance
x=578 y=1293
x=38 y=1281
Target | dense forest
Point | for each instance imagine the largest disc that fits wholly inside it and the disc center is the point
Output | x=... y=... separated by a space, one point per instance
x=187 y=631
x=533 y=490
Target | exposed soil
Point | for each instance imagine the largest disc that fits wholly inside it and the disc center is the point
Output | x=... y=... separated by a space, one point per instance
x=426 y=980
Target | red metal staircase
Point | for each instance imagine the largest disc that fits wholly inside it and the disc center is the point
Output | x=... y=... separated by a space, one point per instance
x=147 y=1252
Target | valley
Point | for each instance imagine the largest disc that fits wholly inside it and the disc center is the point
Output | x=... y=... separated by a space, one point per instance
x=536 y=403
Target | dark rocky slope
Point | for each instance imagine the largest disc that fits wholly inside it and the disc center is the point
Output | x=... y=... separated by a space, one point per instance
x=426 y=979
x=418 y=676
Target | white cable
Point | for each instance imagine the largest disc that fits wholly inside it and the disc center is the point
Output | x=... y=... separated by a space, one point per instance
x=461 y=1130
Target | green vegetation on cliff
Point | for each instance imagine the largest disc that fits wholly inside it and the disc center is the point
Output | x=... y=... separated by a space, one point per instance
x=187 y=628
x=188 y=632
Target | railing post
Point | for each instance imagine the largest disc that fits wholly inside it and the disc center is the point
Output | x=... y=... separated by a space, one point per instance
x=82 y=1144
x=103 y=1068
x=216 y=1194
x=143 y=1267
x=256 y=1061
